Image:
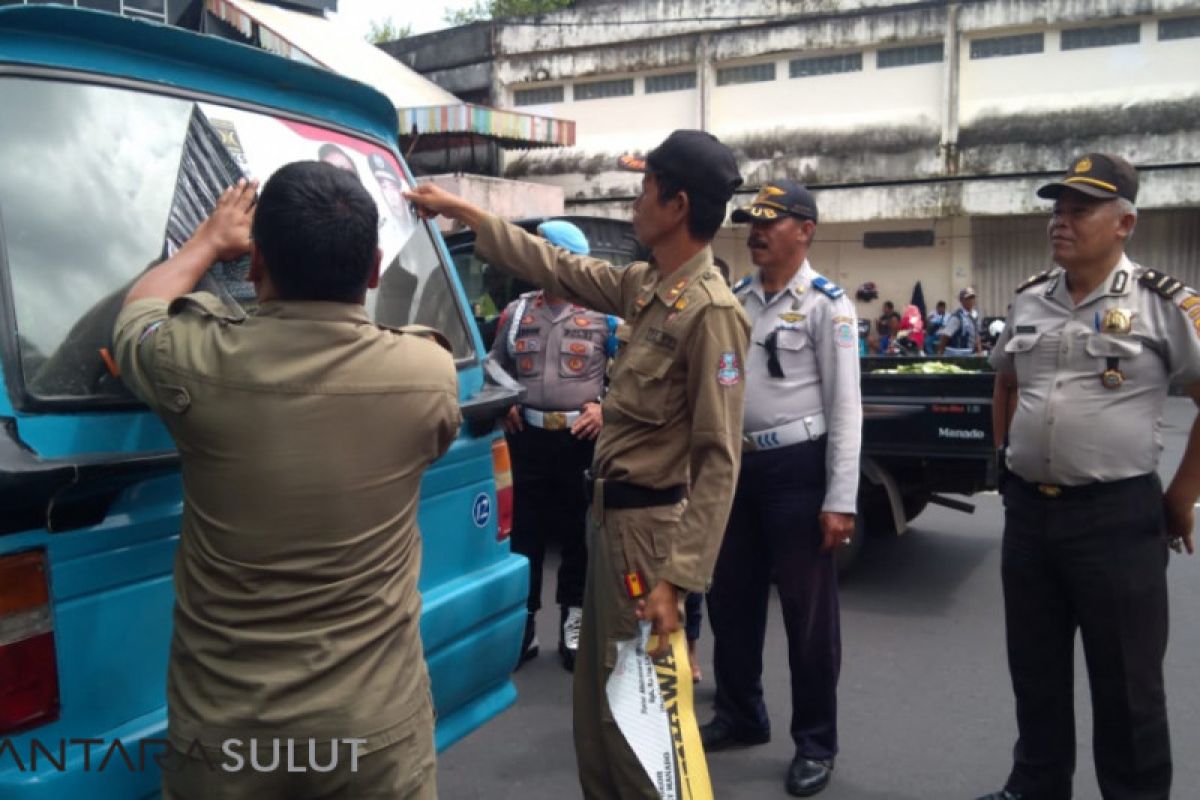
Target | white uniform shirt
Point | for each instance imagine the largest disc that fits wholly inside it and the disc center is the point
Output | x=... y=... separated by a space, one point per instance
x=817 y=347
x=1068 y=428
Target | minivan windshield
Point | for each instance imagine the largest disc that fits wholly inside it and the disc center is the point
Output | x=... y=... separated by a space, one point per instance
x=98 y=183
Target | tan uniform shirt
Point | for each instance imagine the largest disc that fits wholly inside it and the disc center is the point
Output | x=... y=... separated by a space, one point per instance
x=303 y=432
x=557 y=355
x=673 y=413
x=1068 y=428
x=816 y=340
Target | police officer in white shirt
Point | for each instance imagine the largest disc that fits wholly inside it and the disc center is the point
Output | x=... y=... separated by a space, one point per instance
x=796 y=492
x=1082 y=371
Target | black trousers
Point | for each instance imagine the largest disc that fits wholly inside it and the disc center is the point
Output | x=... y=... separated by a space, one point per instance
x=1093 y=562
x=549 y=505
x=774 y=536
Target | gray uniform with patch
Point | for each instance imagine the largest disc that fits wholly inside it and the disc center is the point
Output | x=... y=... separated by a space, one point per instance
x=557 y=355
x=1069 y=429
x=817 y=347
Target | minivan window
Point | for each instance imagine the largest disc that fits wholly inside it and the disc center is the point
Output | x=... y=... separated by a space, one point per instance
x=99 y=182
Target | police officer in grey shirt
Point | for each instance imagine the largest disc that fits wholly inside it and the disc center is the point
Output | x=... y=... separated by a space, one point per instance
x=796 y=493
x=559 y=352
x=1082 y=371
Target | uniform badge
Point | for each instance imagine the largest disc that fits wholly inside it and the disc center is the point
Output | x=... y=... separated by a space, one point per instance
x=681 y=304
x=583 y=322
x=843 y=334
x=527 y=319
x=729 y=370
x=791 y=316
x=578 y=348
x=1112 y=378
x=525 y=364
x=1116 y=320
x=575 y=364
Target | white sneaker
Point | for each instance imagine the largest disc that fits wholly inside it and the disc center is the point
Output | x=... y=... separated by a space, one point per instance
x=568 y=645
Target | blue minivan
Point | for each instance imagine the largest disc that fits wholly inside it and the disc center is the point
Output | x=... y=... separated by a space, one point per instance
x=115 y=137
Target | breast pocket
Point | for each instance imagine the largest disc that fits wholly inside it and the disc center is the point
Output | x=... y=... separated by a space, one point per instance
x=640 y=388
x=1021 y=348
x=1100 y=349
x=574 y=356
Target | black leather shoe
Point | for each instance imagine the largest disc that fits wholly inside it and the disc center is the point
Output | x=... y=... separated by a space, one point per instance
x=1003 y=794
x=719 y=735
x=807 y=776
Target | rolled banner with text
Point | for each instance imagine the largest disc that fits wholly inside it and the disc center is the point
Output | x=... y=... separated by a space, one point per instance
x=651 y=702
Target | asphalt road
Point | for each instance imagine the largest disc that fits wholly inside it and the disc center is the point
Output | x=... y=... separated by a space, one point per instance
x=926 y=706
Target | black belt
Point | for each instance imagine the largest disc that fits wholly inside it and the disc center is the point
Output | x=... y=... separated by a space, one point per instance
x=619 y=494
x=1053 y=491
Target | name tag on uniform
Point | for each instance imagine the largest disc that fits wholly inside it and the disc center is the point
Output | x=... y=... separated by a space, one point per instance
x=661 y=338
x=1026 y=329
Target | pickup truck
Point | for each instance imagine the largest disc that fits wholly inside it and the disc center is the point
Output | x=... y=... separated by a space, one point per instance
x=925 y=434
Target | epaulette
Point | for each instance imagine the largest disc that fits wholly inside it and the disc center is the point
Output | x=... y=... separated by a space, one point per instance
x=1160 y=283
x=718 y=293
x=742 y=284
x=206 y=304
x=1034 y=280
x=423 y=332
x=827 y=287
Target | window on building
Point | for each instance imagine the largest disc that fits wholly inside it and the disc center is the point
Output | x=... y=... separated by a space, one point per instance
x=541 y=96
x=1000 y=46
x=750 y=73
x=1179 y=28
x=878 y=240
x=675 y=82
x=909 y=56
x=597 y=90
x=825 y=65
x=1106 y=36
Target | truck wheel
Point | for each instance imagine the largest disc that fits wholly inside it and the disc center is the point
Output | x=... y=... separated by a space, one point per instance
x=846 y=555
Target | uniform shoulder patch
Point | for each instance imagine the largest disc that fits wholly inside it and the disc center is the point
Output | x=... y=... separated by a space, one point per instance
x=1160 y=283
x=205 y=304
x=1034 y=280
x=827 y=287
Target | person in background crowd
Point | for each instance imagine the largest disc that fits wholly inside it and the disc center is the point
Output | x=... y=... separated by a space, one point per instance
x=933 y=326
x=959 y=335
x=883 y=325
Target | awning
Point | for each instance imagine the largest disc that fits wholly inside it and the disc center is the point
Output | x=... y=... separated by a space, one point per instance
x=435 y=112
x=509 y=128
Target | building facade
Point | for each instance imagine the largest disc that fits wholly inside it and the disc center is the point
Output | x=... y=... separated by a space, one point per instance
x=922 y=127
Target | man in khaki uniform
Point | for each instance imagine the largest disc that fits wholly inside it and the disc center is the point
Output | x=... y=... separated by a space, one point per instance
x=303 y=432
x=668 y=453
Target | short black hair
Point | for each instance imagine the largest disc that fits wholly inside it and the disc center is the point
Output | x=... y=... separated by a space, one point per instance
x=317 y=230
x=706 y=214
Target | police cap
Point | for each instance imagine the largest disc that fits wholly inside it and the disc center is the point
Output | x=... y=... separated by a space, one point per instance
x=1098 y=175
x=778 y=199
